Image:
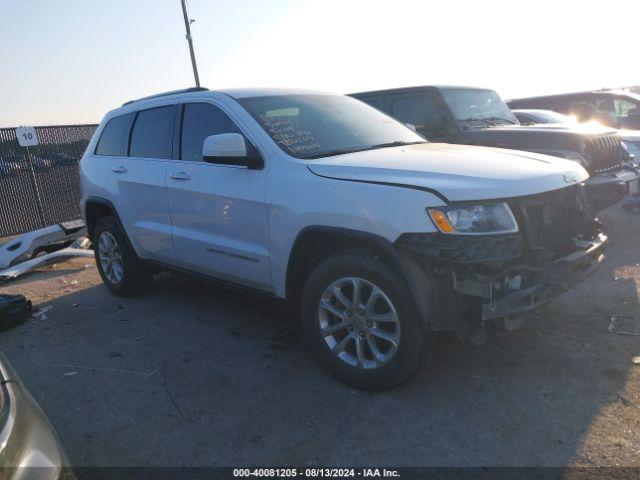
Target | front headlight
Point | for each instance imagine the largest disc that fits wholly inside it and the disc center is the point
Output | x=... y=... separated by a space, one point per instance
x=474 y=219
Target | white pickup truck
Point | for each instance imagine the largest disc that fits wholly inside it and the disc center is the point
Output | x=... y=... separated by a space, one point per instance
x=376 y=237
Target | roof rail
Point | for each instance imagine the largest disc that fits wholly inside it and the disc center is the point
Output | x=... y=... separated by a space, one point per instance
x=172 y=92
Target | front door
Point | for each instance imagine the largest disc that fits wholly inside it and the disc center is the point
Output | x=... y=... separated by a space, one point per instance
x=218 y=212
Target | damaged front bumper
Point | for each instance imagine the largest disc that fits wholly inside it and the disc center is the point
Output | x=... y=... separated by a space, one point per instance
x=461 y=281
x=441 y=275
x=460 y=296
x=550 y=281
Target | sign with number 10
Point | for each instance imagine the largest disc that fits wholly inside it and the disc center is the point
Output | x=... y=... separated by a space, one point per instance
x=27 y=136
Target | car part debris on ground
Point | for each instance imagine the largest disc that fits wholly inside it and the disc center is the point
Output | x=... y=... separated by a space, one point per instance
x=24 y=267
x=41 y=313
x=625 y=325
x=14 y=310
x=45 y=240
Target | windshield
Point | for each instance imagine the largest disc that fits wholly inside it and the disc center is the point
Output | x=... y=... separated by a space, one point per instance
x=478 y=105
x=312 y=126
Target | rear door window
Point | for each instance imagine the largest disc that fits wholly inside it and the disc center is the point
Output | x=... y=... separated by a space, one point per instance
x=419 y=110
x=152 y=134
x=199 y=121
x=114 y=137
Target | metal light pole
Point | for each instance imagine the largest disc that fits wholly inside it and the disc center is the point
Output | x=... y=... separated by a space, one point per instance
x=187 y=26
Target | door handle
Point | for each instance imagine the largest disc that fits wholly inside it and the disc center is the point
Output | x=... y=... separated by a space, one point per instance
x=180 y=176
x=119 y=169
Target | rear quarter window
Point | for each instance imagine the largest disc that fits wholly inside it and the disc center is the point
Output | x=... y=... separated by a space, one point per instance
x=114 y=137
x=152 y=133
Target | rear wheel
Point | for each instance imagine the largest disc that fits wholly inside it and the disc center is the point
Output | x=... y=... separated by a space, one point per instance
x=362 y=324
x=122 y=273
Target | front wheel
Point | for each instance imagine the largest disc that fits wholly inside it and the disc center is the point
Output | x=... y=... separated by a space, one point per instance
x=121 y=271
x=361 y=323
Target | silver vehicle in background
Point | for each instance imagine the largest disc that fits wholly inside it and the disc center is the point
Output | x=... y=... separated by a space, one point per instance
x=29 y=446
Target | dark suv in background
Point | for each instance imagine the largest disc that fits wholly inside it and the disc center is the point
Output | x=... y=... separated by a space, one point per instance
x=478 y=116
x=614 y=108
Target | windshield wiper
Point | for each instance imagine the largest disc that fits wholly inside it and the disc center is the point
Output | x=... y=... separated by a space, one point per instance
x=478 y=122
x=490 y=121
x=344 y=151
x=500 y=119
x=333 y=153
x=395 y=144
x=470 y=119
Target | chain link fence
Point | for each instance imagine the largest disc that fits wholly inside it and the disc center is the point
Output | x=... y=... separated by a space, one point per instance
x=40 y=185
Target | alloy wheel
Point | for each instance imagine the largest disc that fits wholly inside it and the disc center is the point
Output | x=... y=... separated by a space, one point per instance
x=110 y=257
x=359 y=323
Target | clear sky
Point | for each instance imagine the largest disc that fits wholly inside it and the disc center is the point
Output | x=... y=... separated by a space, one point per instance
x=69 y=61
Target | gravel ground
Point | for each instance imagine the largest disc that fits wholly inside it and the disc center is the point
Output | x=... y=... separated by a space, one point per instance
x=189 y=374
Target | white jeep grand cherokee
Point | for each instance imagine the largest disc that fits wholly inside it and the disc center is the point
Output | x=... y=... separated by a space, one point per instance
x=375 y=236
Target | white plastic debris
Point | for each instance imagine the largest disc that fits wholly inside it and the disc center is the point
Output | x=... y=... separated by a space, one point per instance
x=41 y=312
x=28 y=244
x=22 y=268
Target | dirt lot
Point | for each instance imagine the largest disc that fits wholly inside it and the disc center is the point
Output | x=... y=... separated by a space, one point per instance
x=192 y=375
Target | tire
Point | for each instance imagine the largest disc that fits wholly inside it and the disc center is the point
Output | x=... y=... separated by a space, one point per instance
x=392 y=364
x=132 y=277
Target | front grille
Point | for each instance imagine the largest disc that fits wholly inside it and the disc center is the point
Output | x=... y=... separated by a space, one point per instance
x=551 y=221
x=605 y=153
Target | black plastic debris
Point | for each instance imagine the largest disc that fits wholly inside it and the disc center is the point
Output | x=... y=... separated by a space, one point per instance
x=14 y=310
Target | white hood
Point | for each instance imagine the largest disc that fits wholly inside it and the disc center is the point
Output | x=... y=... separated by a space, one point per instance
x=458 y=172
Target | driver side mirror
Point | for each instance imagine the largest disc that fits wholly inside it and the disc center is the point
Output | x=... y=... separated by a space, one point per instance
x=230 y=149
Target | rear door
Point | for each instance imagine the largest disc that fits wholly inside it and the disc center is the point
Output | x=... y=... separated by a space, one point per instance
x=139 y=184
x=97 y=177
x=218 y=212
